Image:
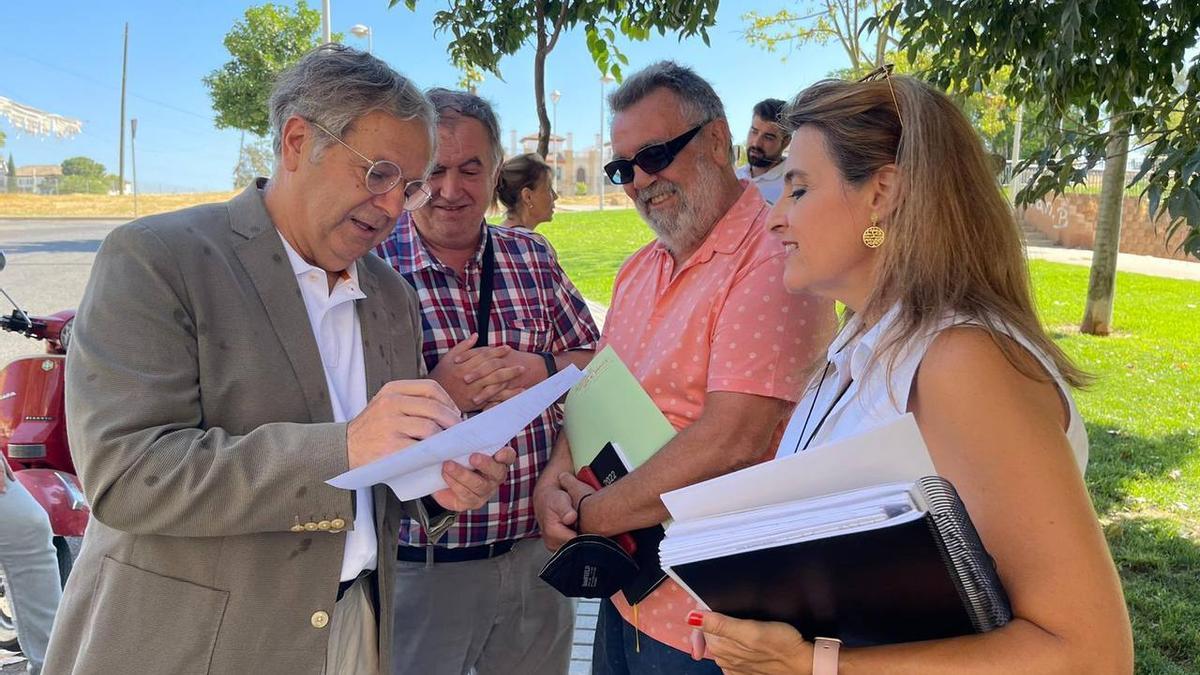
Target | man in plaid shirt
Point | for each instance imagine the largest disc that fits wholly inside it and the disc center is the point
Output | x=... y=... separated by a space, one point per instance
x=473 y=599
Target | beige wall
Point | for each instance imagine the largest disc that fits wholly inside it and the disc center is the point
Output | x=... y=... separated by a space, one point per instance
x=1070 y=221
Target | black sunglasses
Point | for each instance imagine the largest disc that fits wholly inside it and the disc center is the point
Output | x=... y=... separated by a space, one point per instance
x=651 y=159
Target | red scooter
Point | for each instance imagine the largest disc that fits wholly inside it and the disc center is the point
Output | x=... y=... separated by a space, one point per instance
x=33 y=438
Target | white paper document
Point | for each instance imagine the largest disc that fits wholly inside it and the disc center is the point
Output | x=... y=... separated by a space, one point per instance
x=891 y=453
x=788 y=523
x=416 y=471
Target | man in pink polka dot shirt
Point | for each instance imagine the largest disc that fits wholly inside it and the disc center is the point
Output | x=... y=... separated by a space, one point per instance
x=701 y=317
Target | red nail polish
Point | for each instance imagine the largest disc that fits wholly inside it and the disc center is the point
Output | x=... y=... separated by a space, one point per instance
x=695 y=619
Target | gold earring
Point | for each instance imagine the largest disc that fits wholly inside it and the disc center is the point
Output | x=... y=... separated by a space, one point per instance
x=874 y=235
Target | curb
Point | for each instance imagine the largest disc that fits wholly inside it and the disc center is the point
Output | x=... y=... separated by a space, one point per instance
x=122 y=219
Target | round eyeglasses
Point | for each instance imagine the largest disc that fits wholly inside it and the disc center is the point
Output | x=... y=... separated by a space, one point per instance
x=383 y=176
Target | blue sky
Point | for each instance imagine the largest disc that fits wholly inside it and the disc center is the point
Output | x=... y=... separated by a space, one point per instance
x=68 y=61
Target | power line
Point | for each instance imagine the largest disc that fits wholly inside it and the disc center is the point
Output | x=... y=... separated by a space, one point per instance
x=94 y=82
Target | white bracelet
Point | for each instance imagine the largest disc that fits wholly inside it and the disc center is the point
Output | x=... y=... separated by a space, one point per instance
x=825 y=656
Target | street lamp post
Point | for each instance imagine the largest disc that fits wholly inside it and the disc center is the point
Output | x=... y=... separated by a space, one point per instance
x=326 y=36
x=600 y=154
x=554 y=96
x=362 y=30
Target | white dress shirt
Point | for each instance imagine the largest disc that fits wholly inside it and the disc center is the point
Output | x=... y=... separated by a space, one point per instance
x=339 y=339
x=770 y=183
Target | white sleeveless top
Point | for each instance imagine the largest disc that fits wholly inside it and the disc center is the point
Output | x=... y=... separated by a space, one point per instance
x=873 y=397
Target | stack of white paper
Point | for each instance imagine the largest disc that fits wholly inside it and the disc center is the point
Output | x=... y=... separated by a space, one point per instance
x=416 y=471
x=891 y=453
x=788 y=523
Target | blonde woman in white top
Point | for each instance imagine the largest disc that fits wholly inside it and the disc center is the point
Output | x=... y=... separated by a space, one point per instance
x=890 y=207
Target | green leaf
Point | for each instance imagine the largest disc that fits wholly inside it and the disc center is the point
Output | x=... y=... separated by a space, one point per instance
x=1153 y=196
x=1190 y=207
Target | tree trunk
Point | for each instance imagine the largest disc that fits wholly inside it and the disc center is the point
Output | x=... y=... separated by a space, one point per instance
x=539 y=93
x=1097 y=315
x=539 y=82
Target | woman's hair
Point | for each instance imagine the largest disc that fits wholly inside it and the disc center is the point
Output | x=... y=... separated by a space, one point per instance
x=952 y=242
x=516 y=174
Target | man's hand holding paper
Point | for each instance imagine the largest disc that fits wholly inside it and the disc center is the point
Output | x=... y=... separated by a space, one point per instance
x=412 y=438
x=406 y=412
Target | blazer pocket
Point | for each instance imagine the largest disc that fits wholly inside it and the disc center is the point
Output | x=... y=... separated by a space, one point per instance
x=152 y=623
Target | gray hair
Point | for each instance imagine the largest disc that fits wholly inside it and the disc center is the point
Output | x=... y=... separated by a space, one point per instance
x=466 y=104
x=334 y=85
x=699 y=101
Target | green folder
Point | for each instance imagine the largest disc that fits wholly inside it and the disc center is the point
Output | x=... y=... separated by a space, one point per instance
x=609 y=405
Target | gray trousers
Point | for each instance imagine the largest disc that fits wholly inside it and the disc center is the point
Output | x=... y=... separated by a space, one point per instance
x=495 y=617
x=30 y=569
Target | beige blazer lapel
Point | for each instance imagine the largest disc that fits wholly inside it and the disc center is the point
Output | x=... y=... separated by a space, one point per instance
x=267 y=265
x=376 y=330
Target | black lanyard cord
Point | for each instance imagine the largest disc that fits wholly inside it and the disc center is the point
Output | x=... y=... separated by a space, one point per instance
x=820 y=422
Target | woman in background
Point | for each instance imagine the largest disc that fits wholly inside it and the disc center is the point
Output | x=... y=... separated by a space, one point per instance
x=890 y=207
x=526 y=191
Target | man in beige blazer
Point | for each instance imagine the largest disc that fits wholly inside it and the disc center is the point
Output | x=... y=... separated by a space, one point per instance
x=211 y=390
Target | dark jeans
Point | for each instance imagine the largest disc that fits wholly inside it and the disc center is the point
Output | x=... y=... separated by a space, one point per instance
x=613 y=652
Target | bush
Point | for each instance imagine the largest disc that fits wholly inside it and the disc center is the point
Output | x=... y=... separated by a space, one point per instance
x=92 y=185
x=581 y=188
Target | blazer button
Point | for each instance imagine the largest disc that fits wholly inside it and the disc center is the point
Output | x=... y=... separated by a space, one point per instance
x=319 y=619
x=310 y=526
x=323 y=525
x=338 y=524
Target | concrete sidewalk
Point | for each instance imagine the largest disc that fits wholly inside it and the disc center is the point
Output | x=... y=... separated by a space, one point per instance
x=1126 y=262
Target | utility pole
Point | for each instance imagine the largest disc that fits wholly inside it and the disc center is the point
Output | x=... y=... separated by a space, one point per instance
x=124 y=69
x=133 y=157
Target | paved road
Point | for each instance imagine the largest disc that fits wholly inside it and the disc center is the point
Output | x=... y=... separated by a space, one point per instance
x=48 y=266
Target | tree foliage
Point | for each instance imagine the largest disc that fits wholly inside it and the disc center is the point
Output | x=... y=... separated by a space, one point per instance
x=266 y=40
x=86 y=184
x=824 y=22
x=842 y=22
x=2 y=139
x=1090 y=63
x=484 y=32
x=83 y=166
x=257 y=158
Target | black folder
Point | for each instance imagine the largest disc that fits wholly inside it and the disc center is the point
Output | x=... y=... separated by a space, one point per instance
x=922 y=576
x=609 y=466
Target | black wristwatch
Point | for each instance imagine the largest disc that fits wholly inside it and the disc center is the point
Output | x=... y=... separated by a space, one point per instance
x=551 y=365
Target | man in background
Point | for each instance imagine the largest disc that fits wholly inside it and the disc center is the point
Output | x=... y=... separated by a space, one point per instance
x=701 y=317
x=499 y=316
x=764 y=150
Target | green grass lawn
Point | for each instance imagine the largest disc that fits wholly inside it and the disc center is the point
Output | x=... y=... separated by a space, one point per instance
x=1142 y=414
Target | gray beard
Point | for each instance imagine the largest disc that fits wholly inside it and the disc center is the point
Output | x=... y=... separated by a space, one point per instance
x=685 y=226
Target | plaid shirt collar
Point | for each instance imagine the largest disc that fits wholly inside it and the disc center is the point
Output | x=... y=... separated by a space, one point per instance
x=412 y=255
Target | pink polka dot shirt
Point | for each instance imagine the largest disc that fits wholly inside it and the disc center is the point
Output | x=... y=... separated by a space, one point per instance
x=722 y=321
